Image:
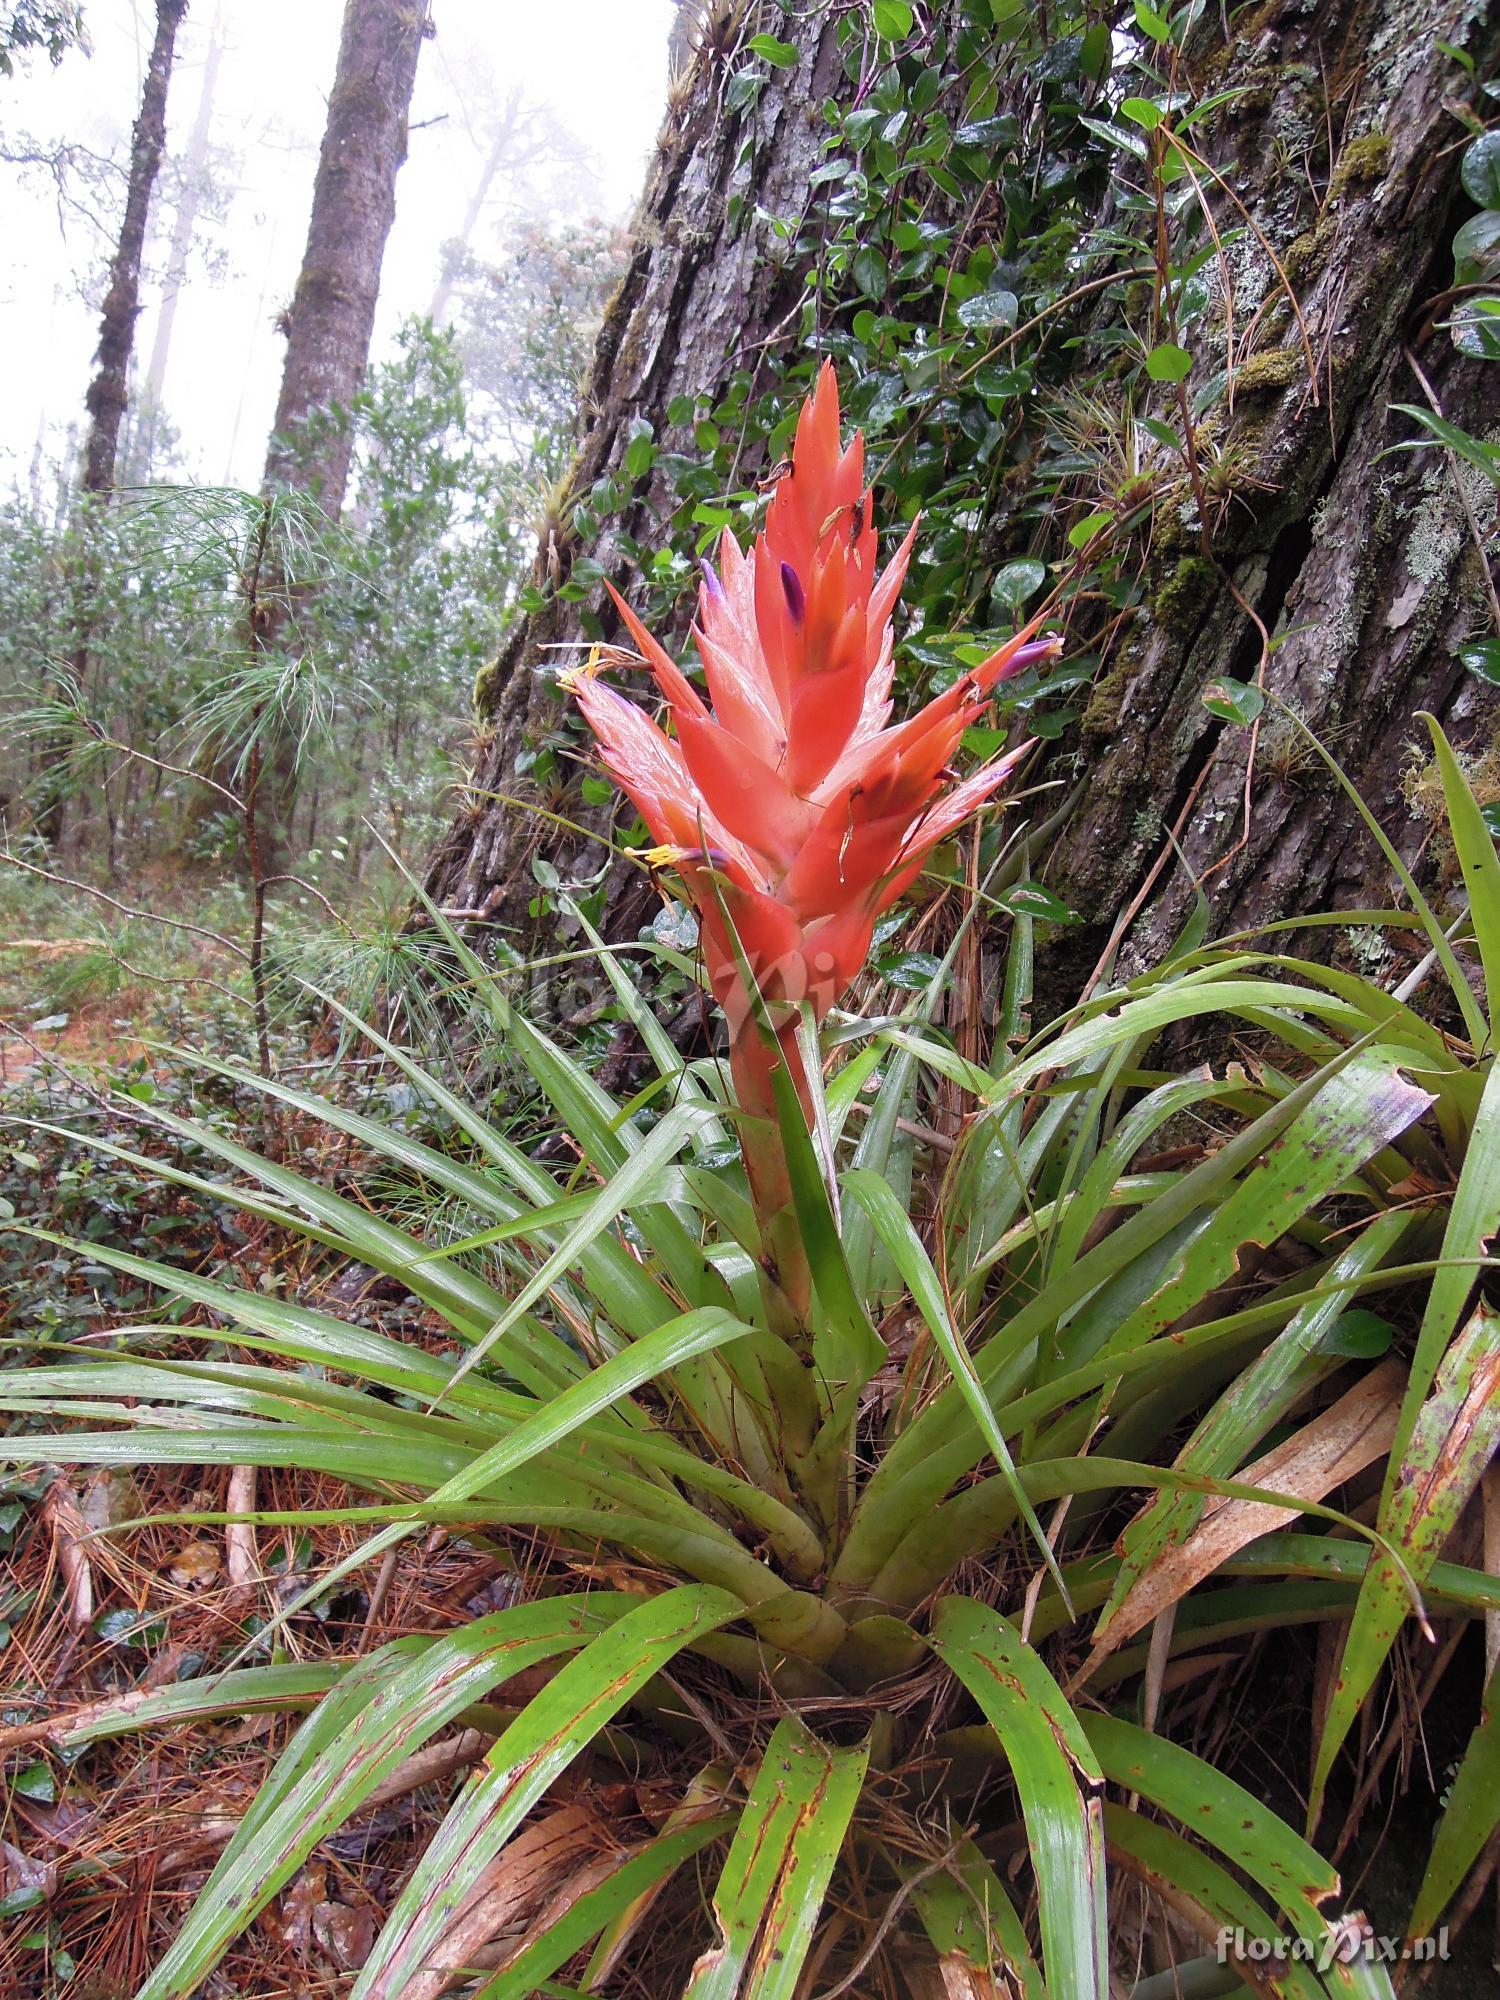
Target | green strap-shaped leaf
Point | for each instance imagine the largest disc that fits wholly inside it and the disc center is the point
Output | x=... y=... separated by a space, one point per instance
x=663 y=1051
x=1301 y=1355
x=361 y=1460
x=939 y=1445
x=534 y=1751
x=1290 y=1554
x=972 y=1521
x=1128 y=1019
x=1473 y=1218
x=300 y=1333
x=597 y=1123
x=994 y=1171
x=1475 y=846
x=463 y=1298
x=1469 y=1818
x=658 y=1353
x=614 y=1278
x=883 y=1147
x=971 y=1923
x=894 y=1228
x=249 y=1692
x=776 y=1873
x=853 y=1350
x=1361 y=1108
x=379 y=1713
x=1177 y=1869
x=1140 y=1123
x=628 y=1292
x=1453 y=1440
x=1223 y=1815
x=1059 y=1780
x=366 y=1232
x=625 y=1186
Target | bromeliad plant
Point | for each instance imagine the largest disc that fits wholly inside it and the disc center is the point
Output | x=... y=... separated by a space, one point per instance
x=822 y=1710
x=792 y=814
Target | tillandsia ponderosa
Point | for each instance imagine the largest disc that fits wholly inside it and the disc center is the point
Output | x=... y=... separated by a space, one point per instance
x=782 y=1625
x=793 y=811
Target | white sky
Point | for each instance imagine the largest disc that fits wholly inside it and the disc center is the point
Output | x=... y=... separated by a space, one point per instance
x=600 y=64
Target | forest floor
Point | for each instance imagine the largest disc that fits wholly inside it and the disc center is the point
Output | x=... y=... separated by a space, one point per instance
x=105 y=1844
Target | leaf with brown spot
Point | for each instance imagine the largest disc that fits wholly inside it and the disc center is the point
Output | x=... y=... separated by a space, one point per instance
x=1059 y=1780
x=381 y=1711
x=1451 y=1443
x=542 y=1742
x=983 y=1951
x=777 y=1871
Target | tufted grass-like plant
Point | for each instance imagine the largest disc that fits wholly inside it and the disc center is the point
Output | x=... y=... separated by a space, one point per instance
x=857 y=1607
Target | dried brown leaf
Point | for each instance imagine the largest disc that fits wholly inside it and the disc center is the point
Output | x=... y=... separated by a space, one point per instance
x=240 y=1551
x=1331 y=1448
x=543 y=1870
x=307 y=1889
x=65 y=1518
x=194 y=1565
x=20 y=1872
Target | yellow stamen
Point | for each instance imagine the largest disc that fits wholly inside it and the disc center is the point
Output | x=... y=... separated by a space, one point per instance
x=573 y=678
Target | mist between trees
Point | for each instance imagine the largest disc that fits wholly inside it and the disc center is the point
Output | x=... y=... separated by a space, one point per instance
x=206 y=687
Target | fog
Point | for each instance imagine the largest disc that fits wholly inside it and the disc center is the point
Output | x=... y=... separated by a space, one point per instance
x=599 y=66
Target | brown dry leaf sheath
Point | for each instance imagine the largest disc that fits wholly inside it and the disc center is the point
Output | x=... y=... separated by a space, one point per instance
x=565 y=1854
x=68 y=1532
x=1341 y=1441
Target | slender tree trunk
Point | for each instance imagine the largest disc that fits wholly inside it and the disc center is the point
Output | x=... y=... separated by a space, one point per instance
x=354 y=204
x=109 y=391
x=494 y=160
x=332 y=315
x=189 y=202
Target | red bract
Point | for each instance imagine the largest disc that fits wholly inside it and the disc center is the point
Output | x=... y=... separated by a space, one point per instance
x=791 y=805
x=791 y=802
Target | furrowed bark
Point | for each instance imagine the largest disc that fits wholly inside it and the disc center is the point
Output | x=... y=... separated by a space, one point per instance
x=1335 y=161
x=1362 y=566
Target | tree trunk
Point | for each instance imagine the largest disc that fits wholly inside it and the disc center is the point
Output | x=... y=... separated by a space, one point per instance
x=110 y=389
x=522 y=136
x=700 y=297
x=190 y=200
x=493 y=160
x=109 y=393
x=332 y=314
x=1364 y=568
x=354 y=204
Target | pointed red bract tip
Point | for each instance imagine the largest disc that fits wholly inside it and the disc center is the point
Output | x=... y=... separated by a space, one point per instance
x=794 y=811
